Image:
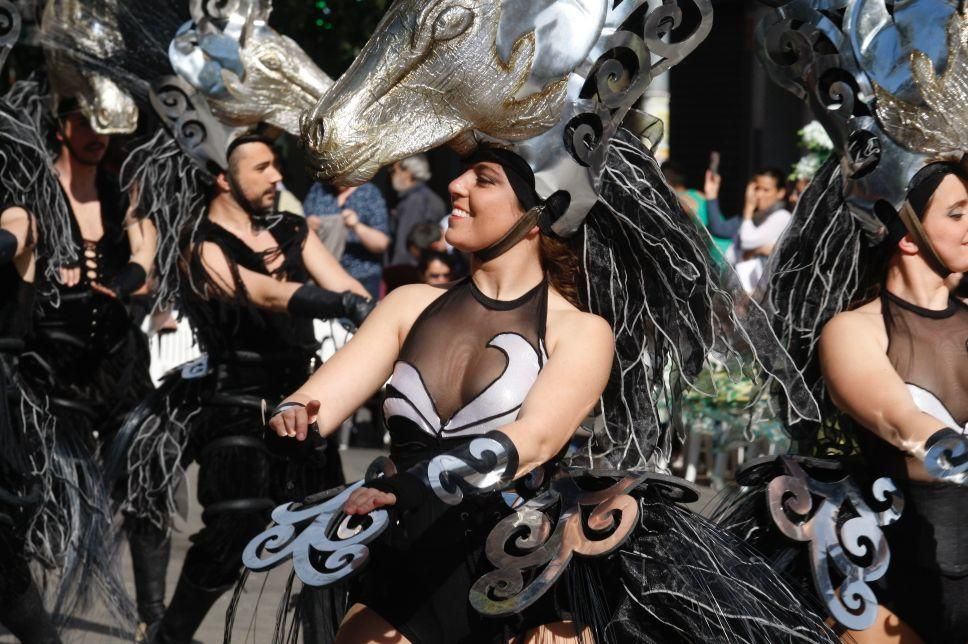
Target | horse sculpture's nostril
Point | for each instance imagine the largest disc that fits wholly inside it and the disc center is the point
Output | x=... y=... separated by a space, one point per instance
x=317 y=132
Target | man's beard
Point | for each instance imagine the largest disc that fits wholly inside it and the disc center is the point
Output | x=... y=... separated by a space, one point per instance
x=251 y=206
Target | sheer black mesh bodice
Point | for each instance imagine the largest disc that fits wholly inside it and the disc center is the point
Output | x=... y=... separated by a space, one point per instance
x=929 y=349
x=468 y=363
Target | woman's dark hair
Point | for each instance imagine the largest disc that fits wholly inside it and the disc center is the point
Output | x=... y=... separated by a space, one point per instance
x=774 y=173
x=559 y=260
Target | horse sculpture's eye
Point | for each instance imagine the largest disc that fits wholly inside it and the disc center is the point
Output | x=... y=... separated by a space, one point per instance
x=452 y=22
x=272 y=61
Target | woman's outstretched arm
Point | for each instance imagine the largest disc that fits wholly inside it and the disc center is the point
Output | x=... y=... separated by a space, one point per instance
x=358 y=370
x=863 y=383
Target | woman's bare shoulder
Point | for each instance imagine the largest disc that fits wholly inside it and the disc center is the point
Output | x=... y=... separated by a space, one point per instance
x=863 y=323
x=569 y=323
x=406 y=303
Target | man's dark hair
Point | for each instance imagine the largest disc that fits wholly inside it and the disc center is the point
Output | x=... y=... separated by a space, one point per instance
x=423 y=235
x=428 y=256
x=775 y=173
x=674 y=174
x=238 y=142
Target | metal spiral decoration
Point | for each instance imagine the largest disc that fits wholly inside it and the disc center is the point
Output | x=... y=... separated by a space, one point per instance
x=812 y=511
x=546 y=544
x=325 y=545
x=189 y=120
x=10 y=25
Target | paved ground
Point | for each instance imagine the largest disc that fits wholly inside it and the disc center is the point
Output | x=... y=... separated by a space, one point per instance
x=255 y=619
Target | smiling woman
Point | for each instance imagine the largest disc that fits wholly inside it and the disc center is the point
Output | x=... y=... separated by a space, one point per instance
x=493 y=484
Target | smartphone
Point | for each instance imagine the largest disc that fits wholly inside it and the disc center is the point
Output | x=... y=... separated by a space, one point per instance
x=714 y=162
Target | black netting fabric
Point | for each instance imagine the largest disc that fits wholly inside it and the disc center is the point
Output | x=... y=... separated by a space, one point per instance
x=27 y=175
x=672 y=309
x=824 y=264
x=171 y=190
x=688 y=580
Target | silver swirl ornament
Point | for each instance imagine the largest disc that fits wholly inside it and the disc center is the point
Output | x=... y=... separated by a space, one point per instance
x=188 y=118
x=844 y=536
x=325 y=545
x=548 y=531
x=486 y=466
x=948 y=458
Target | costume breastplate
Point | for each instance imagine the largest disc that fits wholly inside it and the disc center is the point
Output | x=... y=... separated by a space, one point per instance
x=929 y=350
x=468 y=363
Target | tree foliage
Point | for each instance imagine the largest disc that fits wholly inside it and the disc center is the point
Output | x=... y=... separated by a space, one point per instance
x=332 y=32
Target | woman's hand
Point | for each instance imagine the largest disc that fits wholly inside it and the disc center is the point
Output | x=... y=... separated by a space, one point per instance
x=712 y=184
x=294 y=421
x=749 y=203
x=365 y=500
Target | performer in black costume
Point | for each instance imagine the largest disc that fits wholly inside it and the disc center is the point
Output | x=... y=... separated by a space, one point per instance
x=54 y=510
x=255 y=347
x=247 y=294
x=86 y=352
x=491 y=377
x=24 y=426
x=861 y=289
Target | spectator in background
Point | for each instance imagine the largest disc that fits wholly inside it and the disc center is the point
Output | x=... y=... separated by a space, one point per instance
x=423 y=237
x=435 y=267
x=364 y=216
x=285 y=200
x=765 y=217
x=694 y=203
x=417 y=204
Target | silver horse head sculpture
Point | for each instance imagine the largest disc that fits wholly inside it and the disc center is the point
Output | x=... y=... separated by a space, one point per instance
x=551 y=79
x=68 y=27
x=246 y=71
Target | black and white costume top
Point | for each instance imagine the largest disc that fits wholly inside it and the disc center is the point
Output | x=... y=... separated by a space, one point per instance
x=465 y=369
x=929 y=351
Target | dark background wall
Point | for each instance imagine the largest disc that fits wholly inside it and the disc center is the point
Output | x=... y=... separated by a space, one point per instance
x=721 y=99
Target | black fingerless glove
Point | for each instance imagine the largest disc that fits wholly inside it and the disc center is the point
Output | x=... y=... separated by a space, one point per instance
x=356 y=308
x=313 y=302
x=128 y=280
x=484 y=464
x=8 y=246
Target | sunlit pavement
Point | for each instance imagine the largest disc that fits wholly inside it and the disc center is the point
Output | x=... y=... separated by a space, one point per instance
x=256 y=615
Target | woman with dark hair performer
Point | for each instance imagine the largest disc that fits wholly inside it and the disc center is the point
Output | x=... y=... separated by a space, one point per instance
x=861 y=290
x=523 y=358
x=501 y=512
